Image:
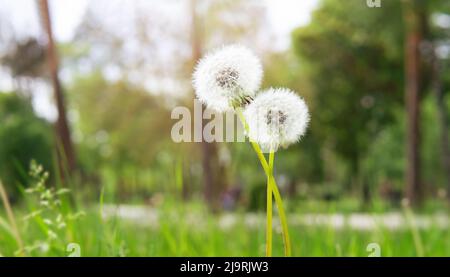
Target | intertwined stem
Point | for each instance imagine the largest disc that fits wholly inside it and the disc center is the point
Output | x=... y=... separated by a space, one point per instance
x=282 y=214
x=272 y=184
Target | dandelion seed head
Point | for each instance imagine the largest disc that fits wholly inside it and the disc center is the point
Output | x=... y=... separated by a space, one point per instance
x=227 y=77
x=276 y=117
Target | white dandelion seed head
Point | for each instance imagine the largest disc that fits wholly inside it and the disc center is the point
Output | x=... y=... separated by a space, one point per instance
x=227 y=77
x=276 y=117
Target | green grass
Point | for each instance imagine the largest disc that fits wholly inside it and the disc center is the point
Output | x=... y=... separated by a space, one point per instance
x=49 y=219
x=177 y=235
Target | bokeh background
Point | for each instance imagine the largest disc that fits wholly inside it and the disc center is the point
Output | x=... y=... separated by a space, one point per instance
x=86 y=94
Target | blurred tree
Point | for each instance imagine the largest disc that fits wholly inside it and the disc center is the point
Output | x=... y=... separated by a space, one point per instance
x=25 y=61
x=23 y=137
x=213 y=171
x=119 y=125
x=66 y=154
x=353 y=56
x=367 y=57
x=436 y=38
x=414 y=22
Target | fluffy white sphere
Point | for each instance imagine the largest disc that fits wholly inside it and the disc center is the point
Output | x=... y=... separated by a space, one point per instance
x=227 y=77
x=276 y=117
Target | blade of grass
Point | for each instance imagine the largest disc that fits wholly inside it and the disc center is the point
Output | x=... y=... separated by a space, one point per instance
x=414 y=231
x=11 y=218
x=5 y=226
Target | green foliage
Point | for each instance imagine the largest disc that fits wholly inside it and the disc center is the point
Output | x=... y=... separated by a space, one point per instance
x=124 y=117
x=386 y=167
x=385 y=161
x=23 y=137
x=353 y=58
x=124 y=135
x=48 y=214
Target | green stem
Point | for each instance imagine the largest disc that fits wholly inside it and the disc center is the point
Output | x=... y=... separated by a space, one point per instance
x=283 y=219
x=273 y=185
x=269 y=215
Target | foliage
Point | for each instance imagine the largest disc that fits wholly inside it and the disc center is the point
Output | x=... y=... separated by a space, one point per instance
x=123 y=132
x=26 y=59
x=354 y=61
x=23 y=137
x=47 y=211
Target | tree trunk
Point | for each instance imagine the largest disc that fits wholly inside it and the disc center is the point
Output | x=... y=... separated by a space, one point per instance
x=66 y=154
x=413 y=38
x=213 y=172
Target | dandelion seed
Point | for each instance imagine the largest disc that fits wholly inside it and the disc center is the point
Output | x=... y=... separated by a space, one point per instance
x=276 y=117
x=227 y=78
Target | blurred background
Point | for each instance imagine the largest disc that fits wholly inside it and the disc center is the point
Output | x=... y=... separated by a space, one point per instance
x=87 y=89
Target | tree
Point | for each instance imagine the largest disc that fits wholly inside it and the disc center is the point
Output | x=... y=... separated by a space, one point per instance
x=23 y=137
x=26 y=62
x=413 y=37
x=213 y=172
x=122 y=135
x=64 y=144
x=359 y=61
x=439 y=93
x=353 y=58
x=435 y=36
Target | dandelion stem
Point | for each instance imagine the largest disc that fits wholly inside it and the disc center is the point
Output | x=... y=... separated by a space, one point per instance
x=283 y=219
x=269 y=210
x=272 y=183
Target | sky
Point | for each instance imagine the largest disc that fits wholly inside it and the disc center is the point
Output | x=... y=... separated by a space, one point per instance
x=283 y=16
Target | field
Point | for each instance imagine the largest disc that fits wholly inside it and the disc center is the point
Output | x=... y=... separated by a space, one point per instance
x=187 y=229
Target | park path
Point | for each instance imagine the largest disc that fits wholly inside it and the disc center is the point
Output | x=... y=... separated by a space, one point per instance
x=148 y=216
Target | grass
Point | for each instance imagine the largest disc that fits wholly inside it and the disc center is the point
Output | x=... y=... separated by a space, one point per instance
x=49 y=222
x=177 y=236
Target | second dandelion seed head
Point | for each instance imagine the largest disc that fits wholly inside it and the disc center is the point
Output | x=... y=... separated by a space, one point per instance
x=276 y=117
